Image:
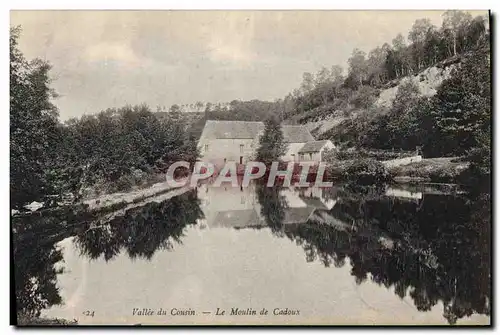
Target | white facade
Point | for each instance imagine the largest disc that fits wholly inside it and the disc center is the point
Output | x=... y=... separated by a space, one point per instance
x=238 y=141
x=292 y=153
x=317 y=155
x=219 y=151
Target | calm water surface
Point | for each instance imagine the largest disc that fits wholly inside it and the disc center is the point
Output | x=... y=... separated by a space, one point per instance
x=418 y=255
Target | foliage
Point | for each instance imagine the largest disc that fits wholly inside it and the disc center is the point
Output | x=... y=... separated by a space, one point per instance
x=462 y=106
x=113 y=144
x=272 y=144
x=33 y=126
x=438 y=170
x=366 y=172
x=379 y=155
x=454 y=122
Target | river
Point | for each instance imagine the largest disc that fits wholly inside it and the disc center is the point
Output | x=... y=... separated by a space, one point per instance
x=258 y=255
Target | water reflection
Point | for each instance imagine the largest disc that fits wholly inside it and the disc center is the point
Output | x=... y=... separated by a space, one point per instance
x=426 y=243
x=434 y=249
x=430 y=243
x=141 y=231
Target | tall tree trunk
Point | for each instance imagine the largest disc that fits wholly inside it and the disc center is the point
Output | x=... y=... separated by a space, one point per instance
x=455 y=44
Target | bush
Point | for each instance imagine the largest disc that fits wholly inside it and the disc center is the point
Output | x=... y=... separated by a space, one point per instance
x=330 y=155
x=123 y=184
x=367 y=172
x=364 y=97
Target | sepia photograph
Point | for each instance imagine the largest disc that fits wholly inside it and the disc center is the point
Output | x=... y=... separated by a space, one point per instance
x=250 y=167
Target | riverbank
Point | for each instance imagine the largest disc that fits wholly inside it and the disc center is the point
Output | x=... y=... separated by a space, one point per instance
x=428 y=170
x=134 y=196
x=437 y=170
x=107 y=203
x=38 y=321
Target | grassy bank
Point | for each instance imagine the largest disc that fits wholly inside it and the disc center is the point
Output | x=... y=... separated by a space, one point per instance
x=438 y=170
x=23 y=320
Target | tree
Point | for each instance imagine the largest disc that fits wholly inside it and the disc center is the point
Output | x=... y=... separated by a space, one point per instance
x=462 y=105
x=417 y=36
x=455 y=23
x=357 y=69
x=307 y=82
x=434 y=48
x=376 y=65
x=33 y=126
x=272 y=144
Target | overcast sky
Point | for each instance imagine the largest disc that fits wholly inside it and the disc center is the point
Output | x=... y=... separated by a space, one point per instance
x=107 y=59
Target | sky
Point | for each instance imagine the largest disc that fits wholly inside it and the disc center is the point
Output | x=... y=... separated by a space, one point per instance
x=104 y=59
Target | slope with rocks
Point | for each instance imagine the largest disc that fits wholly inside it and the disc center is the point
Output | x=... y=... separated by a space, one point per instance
x=427 y=81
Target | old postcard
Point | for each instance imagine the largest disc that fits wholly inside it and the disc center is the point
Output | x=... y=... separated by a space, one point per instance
x=250 y=167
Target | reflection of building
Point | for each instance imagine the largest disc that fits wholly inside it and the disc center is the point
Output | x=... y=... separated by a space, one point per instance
x=405 y=194
x=229 y=206
x=238 y=207
x=237 y=141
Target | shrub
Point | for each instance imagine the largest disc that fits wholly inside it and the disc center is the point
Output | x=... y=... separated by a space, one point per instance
x=330 y=155
x=364 y=97
x=123 y=184
x=367 y=172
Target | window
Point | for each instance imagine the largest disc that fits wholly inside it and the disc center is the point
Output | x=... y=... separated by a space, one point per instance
x=241 y=148
x=206 y=147
x=310 y=156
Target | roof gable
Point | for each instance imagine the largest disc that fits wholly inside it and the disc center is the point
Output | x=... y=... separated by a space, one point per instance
x=313 y=146
x=296 y=134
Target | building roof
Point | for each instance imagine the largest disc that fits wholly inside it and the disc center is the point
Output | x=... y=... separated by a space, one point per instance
x=296 y=134
x=237 y=219
x=231 y=129
x=250 y=129
x=313 y=146
x=314 y=202
x=297 y=215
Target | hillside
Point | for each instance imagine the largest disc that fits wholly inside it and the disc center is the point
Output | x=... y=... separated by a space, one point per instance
x=428 y=80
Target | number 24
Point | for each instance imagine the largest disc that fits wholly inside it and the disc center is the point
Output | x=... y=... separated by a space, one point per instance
x=88 y=313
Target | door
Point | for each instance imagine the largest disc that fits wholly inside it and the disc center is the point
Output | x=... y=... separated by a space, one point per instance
x=241 y=159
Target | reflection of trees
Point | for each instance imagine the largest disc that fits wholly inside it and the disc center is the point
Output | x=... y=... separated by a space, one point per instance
x=439 y=249
x=36 y=277
x=273 y=206
x=35 y=257
x=141 y=231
